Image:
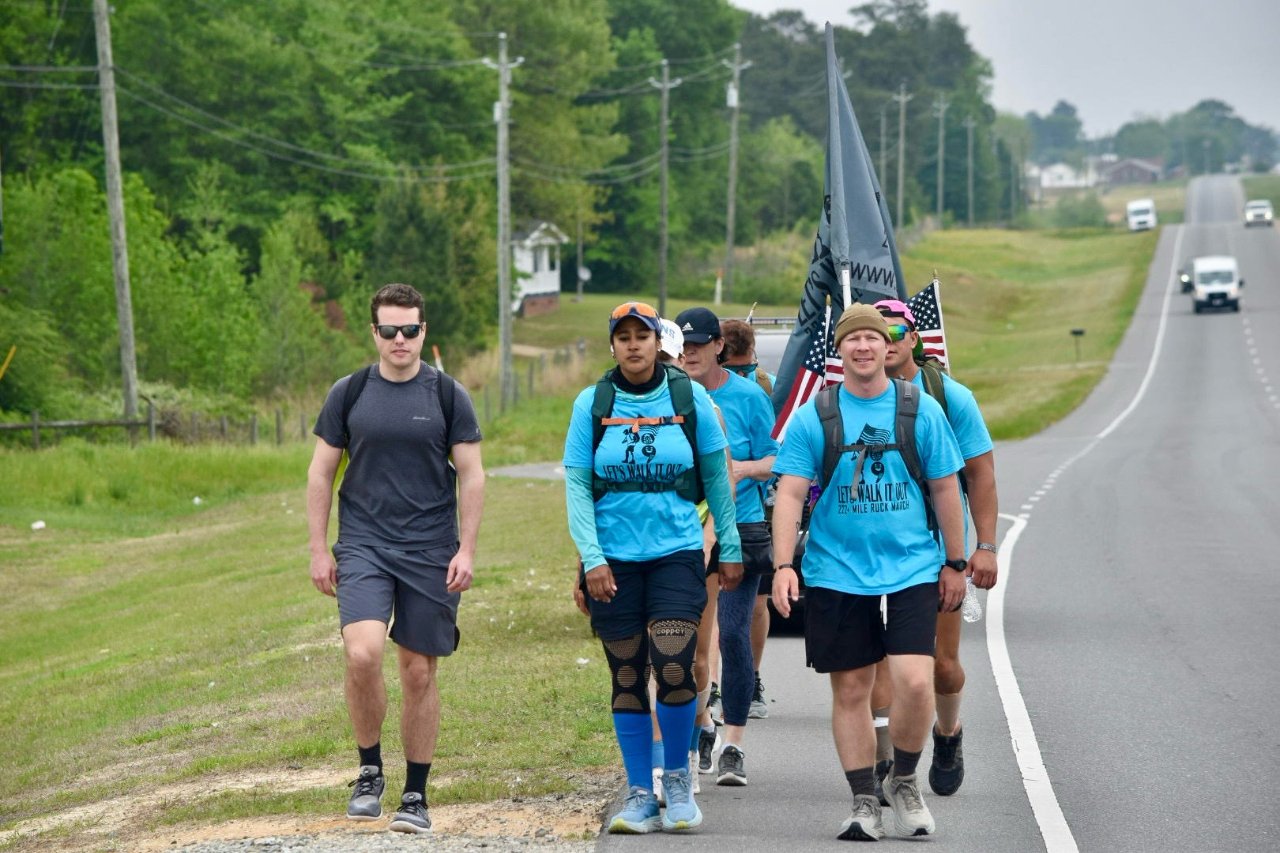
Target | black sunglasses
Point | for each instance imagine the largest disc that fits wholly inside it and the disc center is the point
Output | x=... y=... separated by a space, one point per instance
x=409 y=330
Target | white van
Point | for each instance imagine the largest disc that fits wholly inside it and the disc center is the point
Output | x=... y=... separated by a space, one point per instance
x=1141 y=214
x=1216 y=283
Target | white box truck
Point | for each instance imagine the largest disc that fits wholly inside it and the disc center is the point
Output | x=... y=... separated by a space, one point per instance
x=1216 y=283
x=1141 y=214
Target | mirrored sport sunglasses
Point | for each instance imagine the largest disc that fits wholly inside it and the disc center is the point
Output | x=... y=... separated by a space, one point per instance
x=898 y=331
x=639 y=309
x=409 y=330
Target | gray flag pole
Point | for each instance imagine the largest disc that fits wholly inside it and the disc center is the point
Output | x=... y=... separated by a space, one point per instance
x=846 y=286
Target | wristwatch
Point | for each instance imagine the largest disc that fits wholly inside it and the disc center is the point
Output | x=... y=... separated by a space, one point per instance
x=987 y=546
x=958 y=565
x=782 y=566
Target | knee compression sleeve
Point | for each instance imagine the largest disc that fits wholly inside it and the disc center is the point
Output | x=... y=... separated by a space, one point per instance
x=672 y=647
x=628 y=666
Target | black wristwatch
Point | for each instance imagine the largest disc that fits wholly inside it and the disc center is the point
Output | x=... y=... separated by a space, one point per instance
x=782 y=566
x=958 y=565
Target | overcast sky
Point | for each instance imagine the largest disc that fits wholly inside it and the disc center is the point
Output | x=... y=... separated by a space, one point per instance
x=1114 y=60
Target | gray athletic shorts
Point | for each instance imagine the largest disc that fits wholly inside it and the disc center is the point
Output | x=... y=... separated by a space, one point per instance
x=403 y=588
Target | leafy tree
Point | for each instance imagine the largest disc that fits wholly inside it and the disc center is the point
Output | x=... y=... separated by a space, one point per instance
x=1146 y=138
x=1058 y=136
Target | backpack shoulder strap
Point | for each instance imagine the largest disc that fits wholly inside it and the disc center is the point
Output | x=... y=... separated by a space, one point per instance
x=931 y=373
x=355 y=386
x=446 y=389
x=601 y=408
x=904 y=425
x=832 y=430
x=762 y=379
x=680 y=387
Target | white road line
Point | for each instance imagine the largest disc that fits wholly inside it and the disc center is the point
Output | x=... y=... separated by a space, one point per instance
x=1035 y=778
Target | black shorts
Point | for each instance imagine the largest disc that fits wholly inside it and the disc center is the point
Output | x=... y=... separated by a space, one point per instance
x=844 y=631
x=670 y=587
x=757 y=553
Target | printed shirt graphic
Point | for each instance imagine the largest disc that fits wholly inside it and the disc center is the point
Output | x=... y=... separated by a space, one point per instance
x=874 y=541
x=748 y=415
x=643 y=525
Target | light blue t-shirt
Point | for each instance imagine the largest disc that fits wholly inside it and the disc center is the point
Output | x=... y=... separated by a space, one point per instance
x=748 y=416
x=876 y=541
x=964 y=416
x=634 y=526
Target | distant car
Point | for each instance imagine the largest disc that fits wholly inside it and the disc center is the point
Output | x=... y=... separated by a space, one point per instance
x=1258 y=212
x=1216 y=283
x=1184 y=278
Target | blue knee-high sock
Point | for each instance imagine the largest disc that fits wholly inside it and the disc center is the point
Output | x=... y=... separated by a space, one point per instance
x=635 y=736
x=656 y=754
x=675 y=721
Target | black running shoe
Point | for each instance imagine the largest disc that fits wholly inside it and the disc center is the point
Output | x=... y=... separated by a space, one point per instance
x=947 y=770
x=883 y=770
x=731 y=769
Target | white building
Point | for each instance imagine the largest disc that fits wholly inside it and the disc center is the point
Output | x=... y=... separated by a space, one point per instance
x=535 y=255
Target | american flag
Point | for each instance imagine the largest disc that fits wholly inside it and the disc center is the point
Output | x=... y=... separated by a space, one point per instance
x=819 y=368
x=926 y=306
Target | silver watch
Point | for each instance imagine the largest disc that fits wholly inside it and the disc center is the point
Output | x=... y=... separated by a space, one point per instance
x=987 y=546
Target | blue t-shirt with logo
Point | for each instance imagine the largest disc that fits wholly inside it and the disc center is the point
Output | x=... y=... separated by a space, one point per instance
x=748 y=416
x=877 y=540
x=643 y=525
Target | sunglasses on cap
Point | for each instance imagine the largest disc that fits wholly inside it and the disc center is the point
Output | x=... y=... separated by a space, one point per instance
x=409 y=330
x=898 y=331
x=638 y=309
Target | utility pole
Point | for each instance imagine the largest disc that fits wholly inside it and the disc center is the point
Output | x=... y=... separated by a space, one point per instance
x=732 y=102
x=940 y=105
x=502 y=118
x=883 y=109
x=902 y=97
x=115 y=209
x=968 y=129
x=577 y=273
x=665 y=86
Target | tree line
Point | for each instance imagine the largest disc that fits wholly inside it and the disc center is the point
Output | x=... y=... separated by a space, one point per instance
x=284 y=159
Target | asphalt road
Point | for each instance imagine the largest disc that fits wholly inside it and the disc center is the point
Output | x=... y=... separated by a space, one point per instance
x=1138 y=609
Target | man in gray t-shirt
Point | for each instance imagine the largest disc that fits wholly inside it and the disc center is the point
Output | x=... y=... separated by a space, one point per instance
x=408 y=519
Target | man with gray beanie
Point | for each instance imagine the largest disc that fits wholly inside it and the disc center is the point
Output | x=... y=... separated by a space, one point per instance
x=887 y=492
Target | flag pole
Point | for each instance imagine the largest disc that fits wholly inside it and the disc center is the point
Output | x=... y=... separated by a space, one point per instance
x=846 y=287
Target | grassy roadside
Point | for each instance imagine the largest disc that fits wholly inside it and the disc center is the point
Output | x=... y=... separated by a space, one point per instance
x=149 y=641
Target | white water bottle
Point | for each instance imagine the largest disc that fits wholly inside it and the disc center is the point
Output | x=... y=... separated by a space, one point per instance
x=971 y=607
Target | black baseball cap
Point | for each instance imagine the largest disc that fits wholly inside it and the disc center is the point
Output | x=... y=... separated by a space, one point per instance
x=699 y=325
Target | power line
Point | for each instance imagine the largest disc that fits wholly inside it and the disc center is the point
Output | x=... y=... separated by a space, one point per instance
x=309 y=165
x=319 y=155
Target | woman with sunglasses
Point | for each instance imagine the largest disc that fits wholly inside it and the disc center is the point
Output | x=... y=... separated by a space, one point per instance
x=630 y=488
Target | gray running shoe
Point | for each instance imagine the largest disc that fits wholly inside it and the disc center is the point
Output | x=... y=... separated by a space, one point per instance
x=909 y=811
x=759 y=708
x=412 y=816
x=864 y=824
x=366 y=799
x=708 y=743
x=883 y=769
x=731 y=770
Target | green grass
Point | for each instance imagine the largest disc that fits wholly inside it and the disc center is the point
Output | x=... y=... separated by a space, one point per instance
x=1263 y=186
x=148 y=641
x=1011 y=299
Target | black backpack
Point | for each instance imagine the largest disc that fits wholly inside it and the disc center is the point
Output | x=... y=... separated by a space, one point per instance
x=688 y=484
x=357 y=381
x=834 y=446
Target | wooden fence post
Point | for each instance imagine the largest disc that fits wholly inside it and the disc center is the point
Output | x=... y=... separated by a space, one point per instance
x=222 y=422
x=151 y=421
x=253 y=429
x=35 y=429
x=531 y=366
x=302 y=426
x=195 y=427
x=279 y=427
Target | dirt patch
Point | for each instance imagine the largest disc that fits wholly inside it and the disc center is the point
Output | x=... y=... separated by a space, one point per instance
x=119 y=823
